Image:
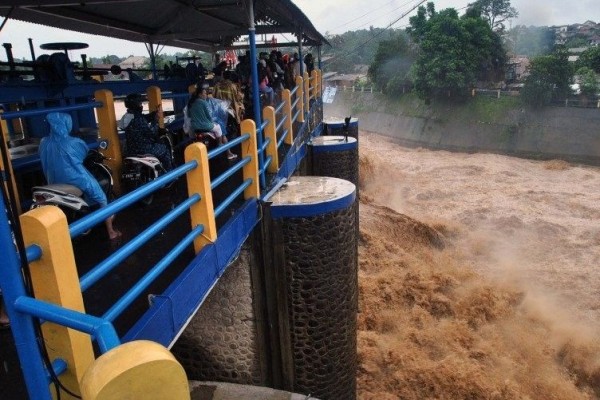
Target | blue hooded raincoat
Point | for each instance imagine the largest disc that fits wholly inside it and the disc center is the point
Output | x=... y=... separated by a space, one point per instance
x=62 y=158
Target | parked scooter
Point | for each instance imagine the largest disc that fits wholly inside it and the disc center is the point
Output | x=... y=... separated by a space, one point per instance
x=69 y=198
x=144 y=168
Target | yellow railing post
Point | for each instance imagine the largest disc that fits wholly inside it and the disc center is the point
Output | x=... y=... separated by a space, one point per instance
x=306 y=91
x=154 y=100
x=136 y=370
x=287 y=109
x=107 y=124
x=300 y=95
x=198 y=181
x=314 y=77
x=8 y=167
x=319 y=84
x=55 y=280
x=250 y=149
x=270 y=132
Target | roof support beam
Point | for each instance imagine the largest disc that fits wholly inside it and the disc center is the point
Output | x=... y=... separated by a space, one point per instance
x=63 y=3
x=263 y=29
x=76 y=15
x=261 y=45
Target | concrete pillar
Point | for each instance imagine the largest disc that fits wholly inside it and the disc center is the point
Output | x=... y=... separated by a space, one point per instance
x=316 y=279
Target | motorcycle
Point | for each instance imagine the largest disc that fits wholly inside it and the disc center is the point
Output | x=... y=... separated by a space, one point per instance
x=69 y=198
x=144 y=168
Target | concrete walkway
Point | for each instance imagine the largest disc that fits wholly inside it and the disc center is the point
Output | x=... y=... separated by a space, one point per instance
x=231 y=391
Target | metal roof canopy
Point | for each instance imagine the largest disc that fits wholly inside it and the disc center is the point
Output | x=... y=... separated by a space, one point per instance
x=205 y=25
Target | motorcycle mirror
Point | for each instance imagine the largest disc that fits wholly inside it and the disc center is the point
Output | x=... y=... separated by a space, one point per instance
x=103 y=144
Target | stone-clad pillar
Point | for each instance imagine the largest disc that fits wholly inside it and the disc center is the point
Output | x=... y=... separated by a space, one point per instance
x=335 y=156
x=314 y=228
x=336 y=127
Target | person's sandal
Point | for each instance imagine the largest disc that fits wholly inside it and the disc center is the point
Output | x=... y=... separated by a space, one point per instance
x=232 y=156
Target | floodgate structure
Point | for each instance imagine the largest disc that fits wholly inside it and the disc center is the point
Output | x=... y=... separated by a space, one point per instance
x=241 y=271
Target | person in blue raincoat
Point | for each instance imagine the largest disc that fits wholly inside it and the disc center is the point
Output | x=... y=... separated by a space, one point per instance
x=62 y=158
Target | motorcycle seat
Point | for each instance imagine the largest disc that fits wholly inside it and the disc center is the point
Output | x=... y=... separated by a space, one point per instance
x=60 y=188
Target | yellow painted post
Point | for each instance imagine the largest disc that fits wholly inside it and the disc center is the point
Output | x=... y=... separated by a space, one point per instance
x=306 y=91
x=154 y=100
x=4 y=135
x=319 y=83
x=198 y=181
x=287 y=109
x=300 y=95
x=107 y=126
x=136 y=370
x=55 y=280
x=250 y=149
x=314 y=76
x=271 y=150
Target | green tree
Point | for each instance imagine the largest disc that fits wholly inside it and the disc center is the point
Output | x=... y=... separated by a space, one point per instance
x=111 y=59
x=537 y=91
x=588 y=83
x=453 y=53
x=495 y=12
x=549 y=78
x=590 y=58
x=391 y=64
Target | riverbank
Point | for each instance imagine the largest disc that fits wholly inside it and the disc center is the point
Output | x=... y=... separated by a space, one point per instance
x=491 y=125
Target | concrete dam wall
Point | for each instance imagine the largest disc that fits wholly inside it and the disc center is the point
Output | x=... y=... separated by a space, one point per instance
x=567 y=133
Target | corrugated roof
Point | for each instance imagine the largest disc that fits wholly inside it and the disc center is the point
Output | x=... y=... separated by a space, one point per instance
x=205 y=25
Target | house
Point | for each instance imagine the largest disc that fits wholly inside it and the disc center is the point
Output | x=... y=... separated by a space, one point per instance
x=344 y=79
x=133 y=62
x=516 y=68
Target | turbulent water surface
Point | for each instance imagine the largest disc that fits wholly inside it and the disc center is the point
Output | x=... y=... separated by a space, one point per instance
x=478 y=276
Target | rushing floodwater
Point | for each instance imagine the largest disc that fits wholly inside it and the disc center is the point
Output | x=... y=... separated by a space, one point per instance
x=509 y=308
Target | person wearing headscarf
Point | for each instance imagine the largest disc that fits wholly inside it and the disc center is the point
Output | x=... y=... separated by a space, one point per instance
x=141 y=132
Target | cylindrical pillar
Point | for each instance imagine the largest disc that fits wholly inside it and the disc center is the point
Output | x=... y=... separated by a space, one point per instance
x=336 y=127
x=314 y=225
x=334 y=156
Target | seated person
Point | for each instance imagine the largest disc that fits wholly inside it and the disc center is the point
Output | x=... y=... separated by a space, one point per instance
x=264 y=82
x=227 y=90
x=201 y=118
x=141 y=132
x=62 y=158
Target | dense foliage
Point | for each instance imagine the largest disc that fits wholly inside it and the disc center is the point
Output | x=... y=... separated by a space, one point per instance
x=495 y=12
x=549 y=78
x=590 y=59
x=392 y=63
x=588 y=83
x=454 y=52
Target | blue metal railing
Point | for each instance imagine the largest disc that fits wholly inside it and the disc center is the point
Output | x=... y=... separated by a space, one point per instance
x=151 y=276
x=100 y=270
x=43 y=111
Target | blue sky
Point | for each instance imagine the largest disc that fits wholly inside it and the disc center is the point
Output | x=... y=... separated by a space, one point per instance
x=334 y=16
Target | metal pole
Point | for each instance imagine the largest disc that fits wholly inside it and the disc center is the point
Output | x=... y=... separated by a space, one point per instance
x=31 y=49
x=21 y=325
x=301 y=60
x=255 y=91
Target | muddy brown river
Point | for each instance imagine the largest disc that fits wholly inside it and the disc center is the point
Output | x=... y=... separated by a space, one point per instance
x=479 y=276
